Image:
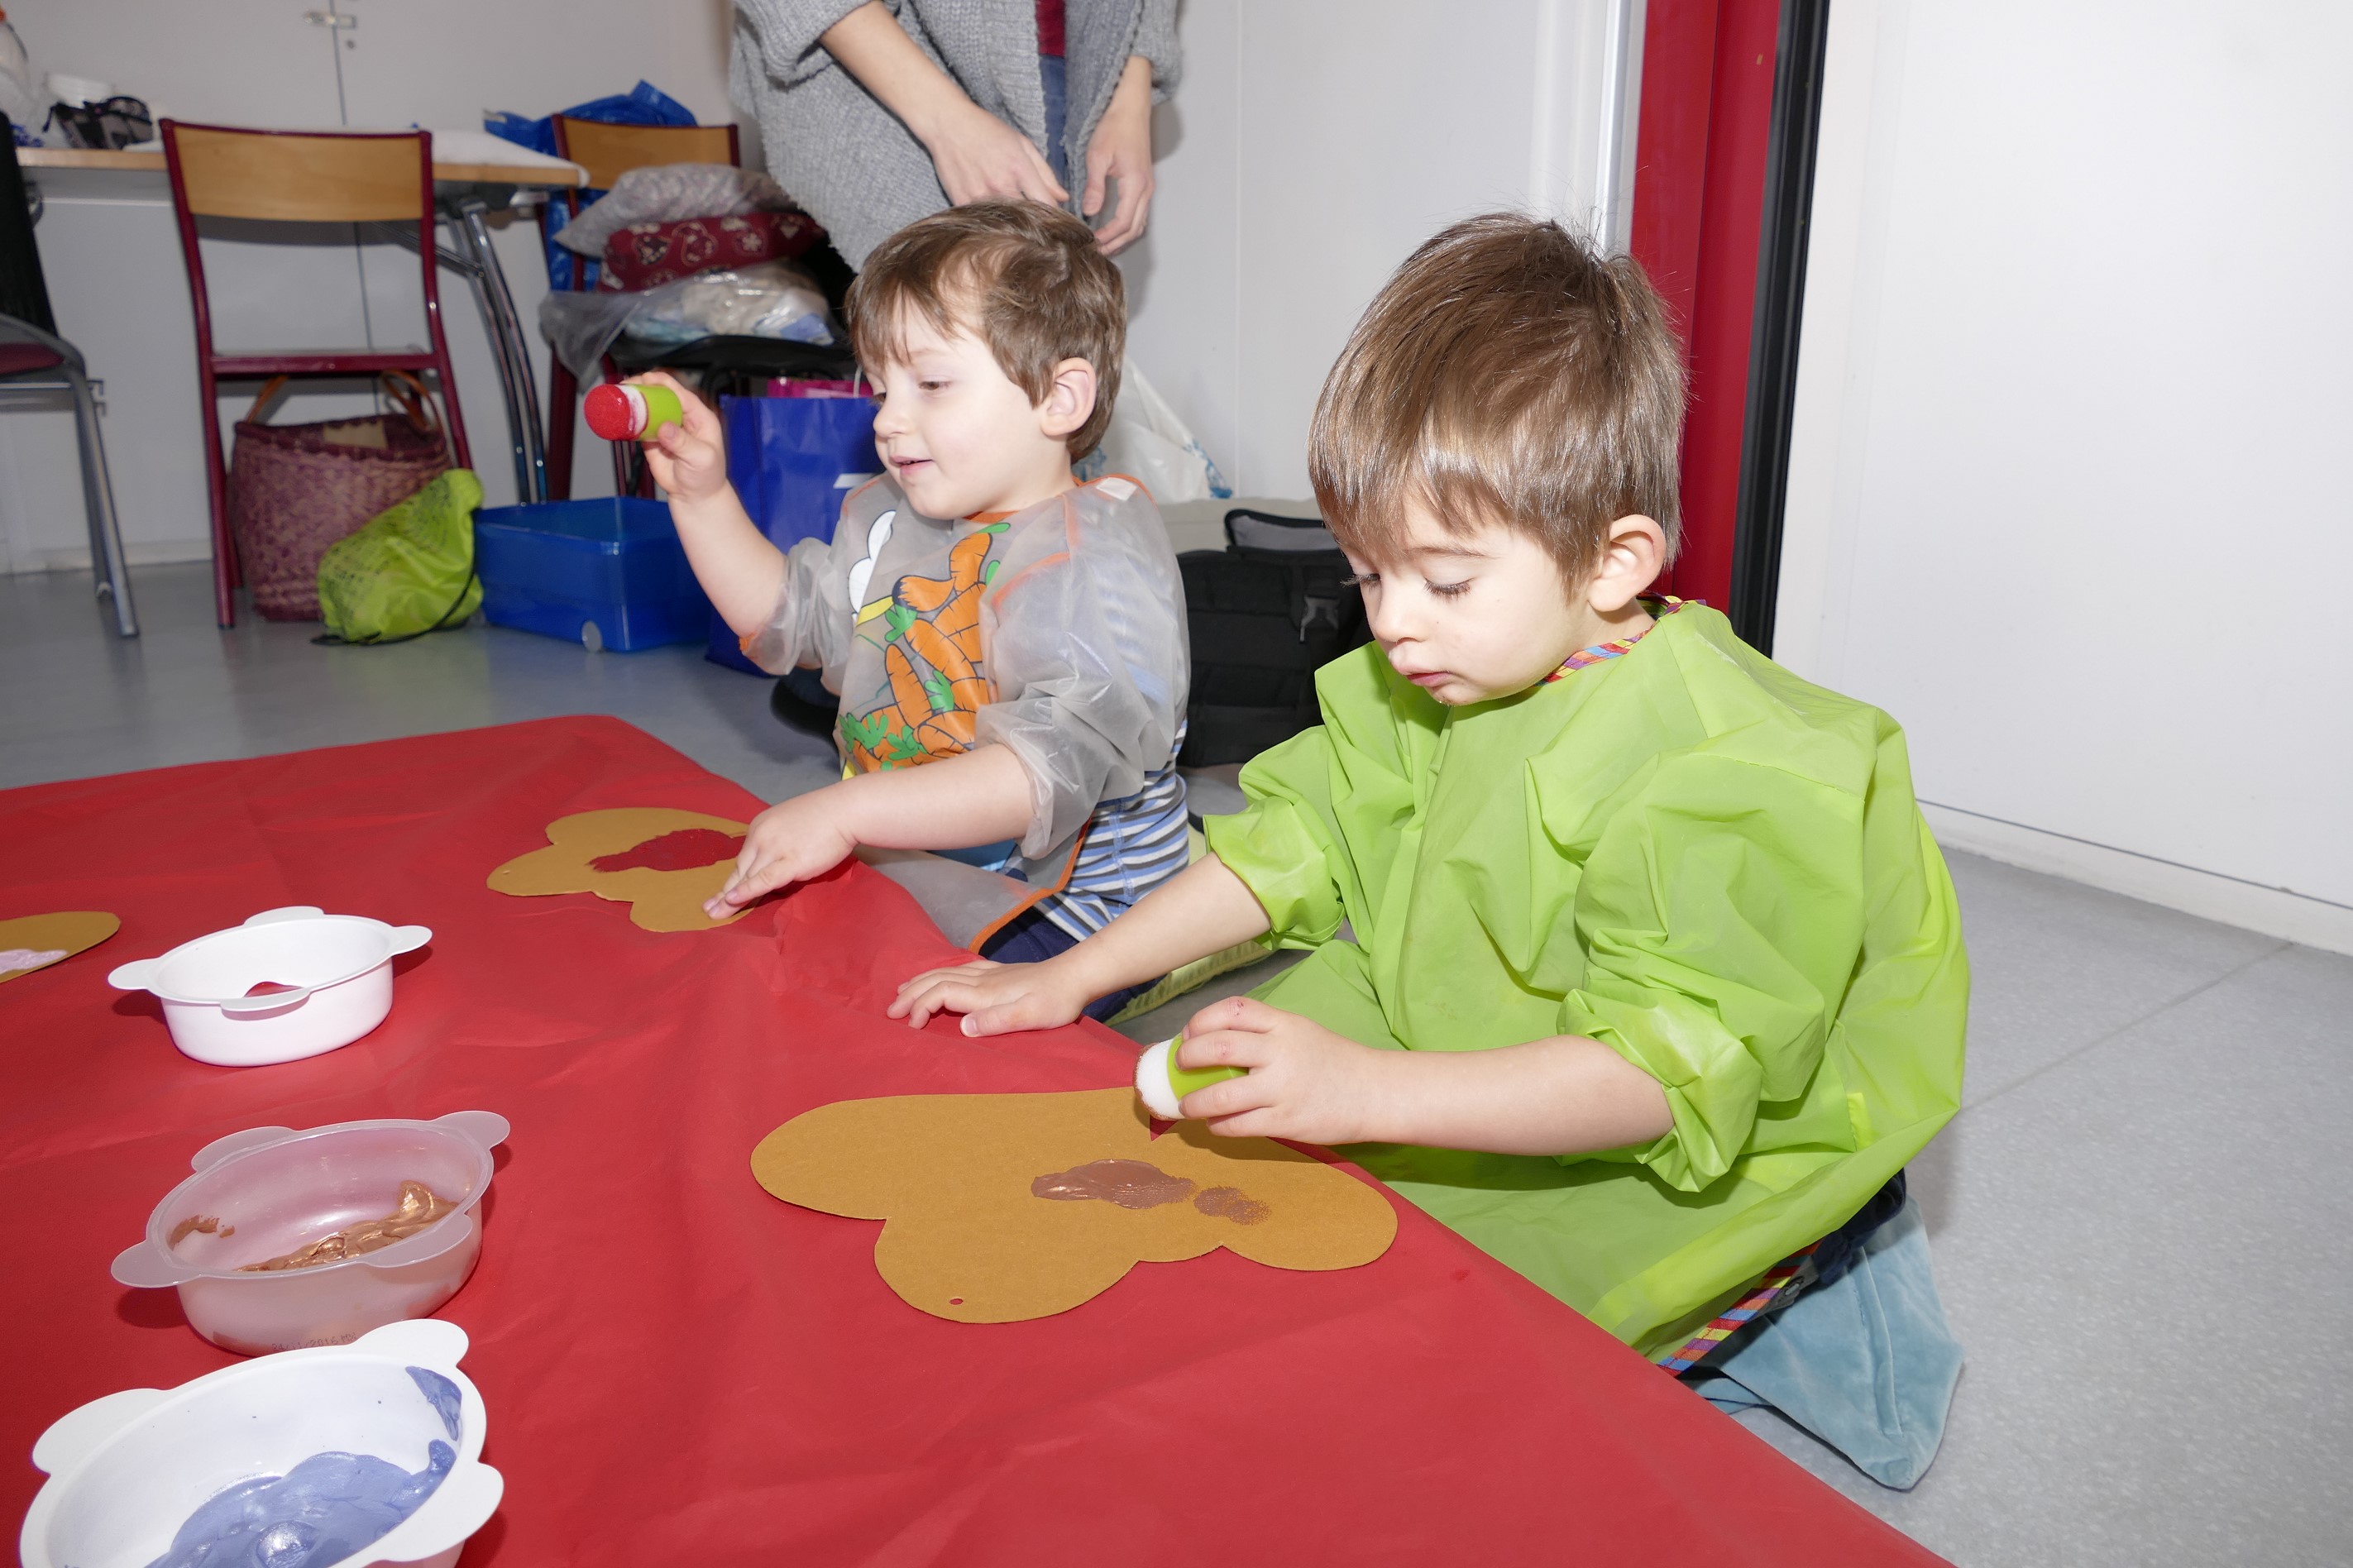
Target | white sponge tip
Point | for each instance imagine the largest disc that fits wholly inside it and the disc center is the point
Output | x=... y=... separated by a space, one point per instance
x=1152 y=1081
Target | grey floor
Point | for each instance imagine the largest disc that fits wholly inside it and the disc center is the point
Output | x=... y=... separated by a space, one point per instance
x=2139 y=1218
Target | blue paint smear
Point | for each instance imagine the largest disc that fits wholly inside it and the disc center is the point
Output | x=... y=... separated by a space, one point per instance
x=442 y=1395
x=320 y=1511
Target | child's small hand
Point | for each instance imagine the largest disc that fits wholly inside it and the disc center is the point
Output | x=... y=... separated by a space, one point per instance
x=995 y=998
x=689 y=461
x=1306 y=1082
x=789 y=842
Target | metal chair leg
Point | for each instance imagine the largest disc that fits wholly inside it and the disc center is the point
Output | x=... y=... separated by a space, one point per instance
x=563 y=414
x=110 y=572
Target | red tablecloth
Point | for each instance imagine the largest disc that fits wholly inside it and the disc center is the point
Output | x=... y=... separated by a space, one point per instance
x=679 y=1369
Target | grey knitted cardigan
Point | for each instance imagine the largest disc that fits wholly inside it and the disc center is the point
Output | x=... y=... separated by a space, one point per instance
x=851 y=162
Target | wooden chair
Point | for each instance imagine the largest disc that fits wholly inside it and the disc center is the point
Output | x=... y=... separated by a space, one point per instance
x=609 y=151
x=219 y=171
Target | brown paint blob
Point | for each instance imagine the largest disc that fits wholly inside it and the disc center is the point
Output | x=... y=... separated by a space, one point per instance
x=1130 y=1183
x=1231 y=1203
x=687 y=850
x=419 y=1207
x=206 y=1223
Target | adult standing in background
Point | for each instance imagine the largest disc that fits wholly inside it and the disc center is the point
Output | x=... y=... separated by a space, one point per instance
x=875 y=114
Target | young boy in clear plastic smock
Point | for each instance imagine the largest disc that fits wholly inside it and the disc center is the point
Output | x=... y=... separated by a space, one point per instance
x=1008 y=645
x=1631 y=958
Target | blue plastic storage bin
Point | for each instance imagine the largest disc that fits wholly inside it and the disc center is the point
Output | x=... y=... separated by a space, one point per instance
x=609 y=574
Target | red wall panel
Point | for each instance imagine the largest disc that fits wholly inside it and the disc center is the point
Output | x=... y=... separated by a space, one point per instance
x=1699 y=198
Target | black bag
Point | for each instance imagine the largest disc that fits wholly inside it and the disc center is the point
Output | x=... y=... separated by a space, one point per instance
x=1264 y=614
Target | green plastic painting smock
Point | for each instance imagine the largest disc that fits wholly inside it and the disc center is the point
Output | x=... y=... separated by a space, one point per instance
x=1163 y=1083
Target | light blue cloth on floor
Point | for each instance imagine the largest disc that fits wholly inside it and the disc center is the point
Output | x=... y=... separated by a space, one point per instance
x=1867 y=1363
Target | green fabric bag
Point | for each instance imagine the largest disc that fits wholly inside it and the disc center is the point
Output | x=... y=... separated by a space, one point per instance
x=411 y=571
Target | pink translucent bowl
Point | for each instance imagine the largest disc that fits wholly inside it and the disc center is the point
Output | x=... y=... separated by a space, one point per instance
x=273 y=1189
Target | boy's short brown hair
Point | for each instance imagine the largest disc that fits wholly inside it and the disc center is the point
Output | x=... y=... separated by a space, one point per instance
x=1026 y=279
x=1505 y=376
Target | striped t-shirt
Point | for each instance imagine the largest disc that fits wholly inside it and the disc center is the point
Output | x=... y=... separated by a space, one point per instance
x=1132 y=845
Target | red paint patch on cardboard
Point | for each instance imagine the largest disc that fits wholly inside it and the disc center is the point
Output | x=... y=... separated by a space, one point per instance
x=683 y=851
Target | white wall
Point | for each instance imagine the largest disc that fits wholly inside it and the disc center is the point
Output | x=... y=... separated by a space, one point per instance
x=2069 y=495
x=1308 y=149
x=429 y=62
x=114 y=262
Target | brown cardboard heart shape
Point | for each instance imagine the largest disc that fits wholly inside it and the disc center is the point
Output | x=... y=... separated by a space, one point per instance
x=34 y=941
x=641 y=855
x=999 y=1207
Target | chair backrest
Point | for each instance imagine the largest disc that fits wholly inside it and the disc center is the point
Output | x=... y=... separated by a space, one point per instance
x=290 y=176
x=24 y=292
x=295 y=177
x=609 y=151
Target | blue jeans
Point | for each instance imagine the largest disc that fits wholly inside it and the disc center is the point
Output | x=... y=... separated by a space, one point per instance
x=1054 y=75
x=1031 y=938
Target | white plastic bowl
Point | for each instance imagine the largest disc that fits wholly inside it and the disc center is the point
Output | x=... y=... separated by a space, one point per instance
x=273 y=1189
x=339 y=968
x=126 y=1471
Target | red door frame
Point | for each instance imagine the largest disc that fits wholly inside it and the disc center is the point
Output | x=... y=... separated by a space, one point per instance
x=1701 y=152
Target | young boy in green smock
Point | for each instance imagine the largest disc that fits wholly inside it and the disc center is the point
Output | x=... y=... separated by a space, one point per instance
x=1632 y=960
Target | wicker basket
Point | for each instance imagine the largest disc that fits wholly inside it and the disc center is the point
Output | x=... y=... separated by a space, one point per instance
x=294 y=489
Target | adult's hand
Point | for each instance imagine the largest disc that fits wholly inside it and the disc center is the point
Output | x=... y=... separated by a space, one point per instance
x=1122 y=151
x=976 y=154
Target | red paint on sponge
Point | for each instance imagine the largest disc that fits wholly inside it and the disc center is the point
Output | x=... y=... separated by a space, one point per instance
x=612 y=412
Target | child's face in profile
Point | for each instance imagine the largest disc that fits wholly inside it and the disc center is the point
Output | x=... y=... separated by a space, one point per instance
x=958 y=435
x=1473 y=616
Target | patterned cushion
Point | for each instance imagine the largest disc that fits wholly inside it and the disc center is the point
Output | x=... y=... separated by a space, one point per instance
x=647 y=254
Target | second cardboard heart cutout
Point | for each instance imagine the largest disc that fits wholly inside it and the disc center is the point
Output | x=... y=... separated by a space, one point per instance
x=34 y=941
x=662 y=863
x=999 y=1207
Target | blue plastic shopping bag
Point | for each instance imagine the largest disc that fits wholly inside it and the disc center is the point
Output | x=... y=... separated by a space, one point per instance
x=793 y=460
x=644 y=104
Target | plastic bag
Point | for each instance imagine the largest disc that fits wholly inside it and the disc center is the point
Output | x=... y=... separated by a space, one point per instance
x=770 y=301
x=409 y=572
x=1147 y=441
x=792 y=460
x=665 y=193
x=644 y=104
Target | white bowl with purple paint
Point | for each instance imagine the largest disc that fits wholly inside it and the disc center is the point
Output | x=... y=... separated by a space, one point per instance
x=132 y=1471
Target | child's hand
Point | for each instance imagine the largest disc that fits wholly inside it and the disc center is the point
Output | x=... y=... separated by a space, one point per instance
x=789 y=842
x=689 y=461
x=995 y=998
x=1306 y=1082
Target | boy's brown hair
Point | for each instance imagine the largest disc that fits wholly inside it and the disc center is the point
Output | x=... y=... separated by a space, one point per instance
x=1505 y=376
x=1026 y=279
